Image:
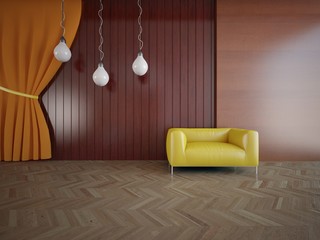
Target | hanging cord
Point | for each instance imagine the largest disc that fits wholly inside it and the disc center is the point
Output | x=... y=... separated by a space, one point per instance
x=100 y=32
x=63 y=17
x=140 y=27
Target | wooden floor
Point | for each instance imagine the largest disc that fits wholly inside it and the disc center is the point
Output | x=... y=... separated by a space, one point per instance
x=140 y=200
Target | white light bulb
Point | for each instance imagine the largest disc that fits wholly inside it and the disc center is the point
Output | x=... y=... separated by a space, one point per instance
x=61 y=52
x=140 y=66
x=100 y=76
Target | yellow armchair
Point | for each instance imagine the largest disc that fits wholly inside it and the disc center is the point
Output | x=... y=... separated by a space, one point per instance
x=208 y=147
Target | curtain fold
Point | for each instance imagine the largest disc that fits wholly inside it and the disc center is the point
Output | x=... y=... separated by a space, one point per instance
x=29 y=31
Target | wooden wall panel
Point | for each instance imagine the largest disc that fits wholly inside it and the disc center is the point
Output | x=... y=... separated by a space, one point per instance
x=129 y=118
x=268 y=56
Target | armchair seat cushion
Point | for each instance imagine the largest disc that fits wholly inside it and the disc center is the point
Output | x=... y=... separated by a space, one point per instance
x=214 y=154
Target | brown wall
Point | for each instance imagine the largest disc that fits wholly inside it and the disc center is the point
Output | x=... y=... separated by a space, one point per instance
x=129 y=118
x=268 y=74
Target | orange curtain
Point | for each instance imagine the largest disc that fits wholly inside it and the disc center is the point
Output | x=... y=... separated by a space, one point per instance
x=29 y=31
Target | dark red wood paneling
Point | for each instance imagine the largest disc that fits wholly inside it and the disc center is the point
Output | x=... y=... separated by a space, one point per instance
x=114 y=82
x=145 y=86
x=129 y=118
x=168 y=66
x=176 y=59
x=106 y=100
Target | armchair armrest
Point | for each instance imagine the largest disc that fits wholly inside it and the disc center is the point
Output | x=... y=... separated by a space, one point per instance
x=247 y=140
x=175 y=145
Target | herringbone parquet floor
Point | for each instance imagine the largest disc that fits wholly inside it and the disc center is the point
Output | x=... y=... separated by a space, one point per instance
x=140 y=200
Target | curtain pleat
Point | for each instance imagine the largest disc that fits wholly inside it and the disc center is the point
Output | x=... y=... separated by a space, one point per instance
x=29 y=31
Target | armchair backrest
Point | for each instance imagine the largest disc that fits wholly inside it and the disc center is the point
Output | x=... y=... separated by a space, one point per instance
x=206 y=134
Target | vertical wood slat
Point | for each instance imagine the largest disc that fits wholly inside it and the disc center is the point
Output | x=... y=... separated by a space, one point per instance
x=145 y=85
x=121 y=79
x=161 y=81
x=91 y=65
x=59 y=118
x=129 y=118
x=98 y=110
x=131 y=51
x=114 y=83
x=106 y=121
x=168 y=66
x=192 y=87
x=137 y=82
x=75 y=92
x=208 y=67
x=81 y=66
x=176 y=75
x=184 y=58
x=152 y=73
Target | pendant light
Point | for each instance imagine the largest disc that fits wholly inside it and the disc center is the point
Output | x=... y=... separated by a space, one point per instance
x=140 y=66
x=100 y=76
x=61 y=52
